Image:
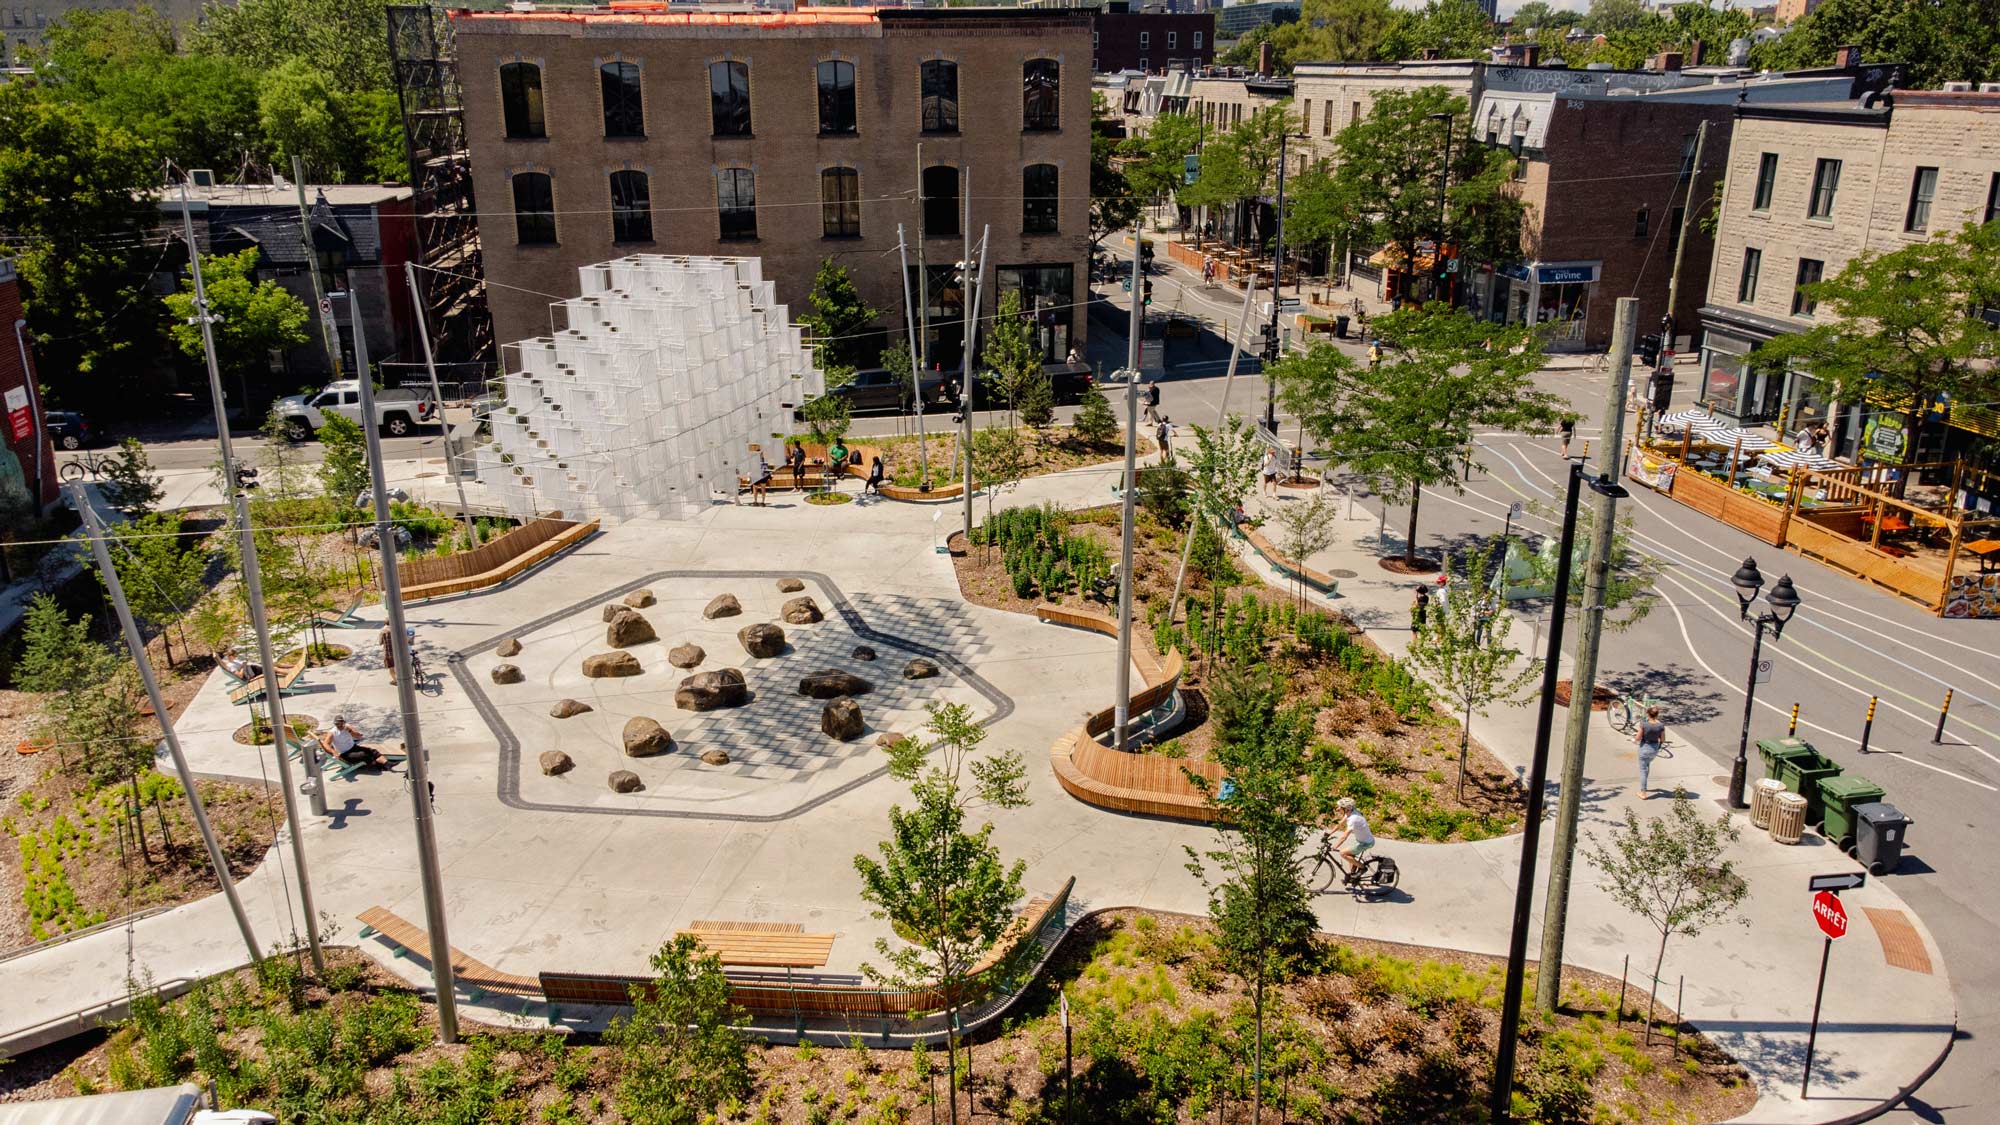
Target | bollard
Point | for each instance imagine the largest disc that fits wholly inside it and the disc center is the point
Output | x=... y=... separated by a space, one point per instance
x=1680 y=996
x=1622 y=974
x=1937 y=736
x=1869 y=725
x=1793 y=730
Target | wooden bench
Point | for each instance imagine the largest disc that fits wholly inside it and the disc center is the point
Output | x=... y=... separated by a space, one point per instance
x=764 y=948
x=498 y=561
x=767 y=927
x=1324 y=583
x=288 y=684
x=477 y=977
x=349 y=618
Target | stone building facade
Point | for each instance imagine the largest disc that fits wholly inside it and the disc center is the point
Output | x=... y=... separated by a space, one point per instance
x=791 y=137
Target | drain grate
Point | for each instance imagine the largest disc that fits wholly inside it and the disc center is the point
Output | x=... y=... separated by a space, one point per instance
x=1902 y=946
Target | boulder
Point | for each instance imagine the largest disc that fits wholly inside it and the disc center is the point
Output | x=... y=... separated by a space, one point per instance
x=639 y=599
x=842 y=719
x=507 y=674
x=802 y=611
x=686 y=656
x=715 y=757
x=608 y=664
x=629 y=628
x=612 y=609
x=645 y=737
x=722 y=605
x=707 y=691
x=863 y=652
x=790 y=585
x=625 y=781
x=920 y=669
x=556 y=762
x=762 y=640
x=509 y=647
x=831 y=683
x=567 y=707
x=887 y=739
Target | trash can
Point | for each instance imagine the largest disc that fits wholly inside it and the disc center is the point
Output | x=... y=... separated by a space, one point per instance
x=1841 y=795
x=1762 y=800
x=1788 y=818
x=1880 y=831
x=1340 y=326
x=1795 y=762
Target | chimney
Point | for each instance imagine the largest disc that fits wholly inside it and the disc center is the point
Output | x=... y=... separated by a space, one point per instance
x=1531 y=54
x=1264 y=58
x=1846 y=58
x=1695 y=52
x=1668 y=62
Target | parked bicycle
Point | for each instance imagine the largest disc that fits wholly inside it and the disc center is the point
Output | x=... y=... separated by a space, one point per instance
x=1374 y=874
x=90 y=465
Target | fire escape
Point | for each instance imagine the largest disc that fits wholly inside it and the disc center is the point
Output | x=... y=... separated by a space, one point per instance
x=424 y=56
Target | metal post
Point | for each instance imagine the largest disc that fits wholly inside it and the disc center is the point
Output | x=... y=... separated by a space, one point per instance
x=1444 y=183
x=1793 y=729
x=136 y=645
x=42 y=454
x=201 y=316
x=437 y=396
x=923 y=274
x=1812 y=1035
x=328 y=333
x=916 y=361
x=974 y=296
x=1583 y=674
x=1622 y=975
x=1121 y=702
x=1937 y=736
x=406 y=701
x=1221 y=417
x=1277 y=292
x=1524 y=889
x=260 y=624
x=1868 y=726
x=1687 y=227
x=1739 y=769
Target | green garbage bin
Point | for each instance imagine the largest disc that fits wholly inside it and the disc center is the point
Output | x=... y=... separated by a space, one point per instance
x=1776 y=751
x=1841 y=793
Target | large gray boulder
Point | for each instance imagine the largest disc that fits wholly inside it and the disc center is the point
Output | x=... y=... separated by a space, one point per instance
x=920 y=669
x=708 y=691
x=639 y=599
x=722 y=605
x=645 y=737
x=609 y=664
x=832 y=683
x=507 y=674
x=686 y=656
x=555 y=762
x=762 y=640
x=842 y=719
x=625 y=781
x=629 y=628
x=509 y=647
x=790 y=585
x=565 y=708
x=802 y=611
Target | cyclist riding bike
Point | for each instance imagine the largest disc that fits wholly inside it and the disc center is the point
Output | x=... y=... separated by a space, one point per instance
x=1354 y=838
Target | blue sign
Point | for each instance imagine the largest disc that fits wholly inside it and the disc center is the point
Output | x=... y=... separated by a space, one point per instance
x=1565 y=275
x=1190 y=167
x=1517 y=272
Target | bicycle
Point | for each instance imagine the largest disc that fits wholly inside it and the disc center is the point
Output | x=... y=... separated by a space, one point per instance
x=1627 y=711
x=90 y=465
x=1373 y=874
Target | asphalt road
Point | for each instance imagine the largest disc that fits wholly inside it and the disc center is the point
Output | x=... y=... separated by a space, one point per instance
x=177 y=447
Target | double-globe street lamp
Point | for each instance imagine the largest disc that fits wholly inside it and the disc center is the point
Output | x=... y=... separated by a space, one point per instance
x=1784 y=601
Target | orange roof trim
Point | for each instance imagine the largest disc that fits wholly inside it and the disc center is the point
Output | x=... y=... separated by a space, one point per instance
x=654 y=12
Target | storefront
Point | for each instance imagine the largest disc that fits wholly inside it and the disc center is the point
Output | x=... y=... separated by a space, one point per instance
x=1746 y=393
x=1048 y=294
x=1555 y=295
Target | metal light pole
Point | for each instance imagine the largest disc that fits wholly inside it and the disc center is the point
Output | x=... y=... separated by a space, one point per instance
x=1277 y=293
x=206 y=319
x=916 y=360
x=1444 y=181
x=437 y=397
x=1119 y=704
x=972 y=299
x=329 y=334
x=1784 y=602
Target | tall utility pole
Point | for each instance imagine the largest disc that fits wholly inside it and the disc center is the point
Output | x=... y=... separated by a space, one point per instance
x=1444 y=182
x=916 y=358
x=136 y=645
x=1131 y=482
x=1583 y=675
x=923 y=348
x=406 y=699
x=1687 y=226
x=328 y=333
x=1277 y=294
x=207 y=321
x=437 y=396
x=1221 y=418
x=978 y=267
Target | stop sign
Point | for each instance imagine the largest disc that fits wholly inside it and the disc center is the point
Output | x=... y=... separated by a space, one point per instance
x=1831 y=916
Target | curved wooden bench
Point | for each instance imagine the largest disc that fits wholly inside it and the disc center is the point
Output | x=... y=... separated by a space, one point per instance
x=1324 y=583
x=815 y=476
x=496 y=562
x=476 y=976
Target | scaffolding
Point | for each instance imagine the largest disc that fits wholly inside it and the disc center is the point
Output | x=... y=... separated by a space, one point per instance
x=424 y=59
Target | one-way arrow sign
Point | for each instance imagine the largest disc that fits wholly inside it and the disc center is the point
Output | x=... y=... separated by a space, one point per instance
x=1845 y=881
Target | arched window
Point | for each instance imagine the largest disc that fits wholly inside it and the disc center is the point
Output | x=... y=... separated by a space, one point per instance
x=631 y=207
x=736 y=202
x=836 y=97
x=534 y=208
x=729 y=98
x=840 y=202
x=1041 y=94
x=521 y=100
x=940 y=201
x=624 y=108
x=940 y=94
x=1038 y=199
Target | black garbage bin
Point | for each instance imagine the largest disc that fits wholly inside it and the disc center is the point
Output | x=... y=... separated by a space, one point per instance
x=1340 y=326
x=1879 y=833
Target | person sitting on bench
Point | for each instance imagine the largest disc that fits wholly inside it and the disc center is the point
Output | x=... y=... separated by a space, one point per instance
x=238 y=667
x=341 y=743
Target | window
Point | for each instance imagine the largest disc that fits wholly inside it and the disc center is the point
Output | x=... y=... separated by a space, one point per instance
x=1307 y=116
x=1354 y=113
x=1326 y=118
x=1197 y=40
x=1640 y=223
x=1767 y=179
x=1810 y=271
x=940 y=201
x=1993 y=199
x=624 y=108
x=729 y=98
x=1746 y=285
x=1145 y=39
x=521 y=100
x=1826 y=181
x=1676 y=219
x=736 y=202
x=836 y=97
x=1041 y=94
x=1145 y=63
x=1038 y=199
x=840 y=203
x=1923 y=190
x=1521 y=167
x=940 y=95
x=1048 y=294
x=1173 y=40
x=1687 y=154
x=534 y=208
x=631 y=207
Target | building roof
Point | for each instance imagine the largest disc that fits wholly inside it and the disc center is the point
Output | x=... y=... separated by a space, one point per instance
x=287 y=195
x=655 y=13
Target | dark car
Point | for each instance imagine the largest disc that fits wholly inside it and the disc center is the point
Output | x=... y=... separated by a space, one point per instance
x=877 y=388
x=1069 y=381
x=69 y=430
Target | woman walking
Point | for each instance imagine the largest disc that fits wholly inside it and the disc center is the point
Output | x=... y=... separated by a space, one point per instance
x=1651 y=737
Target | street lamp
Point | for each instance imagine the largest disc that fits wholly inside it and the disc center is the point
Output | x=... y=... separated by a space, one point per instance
x=1271 y=352
x=1444 y=180
x=1784 y=601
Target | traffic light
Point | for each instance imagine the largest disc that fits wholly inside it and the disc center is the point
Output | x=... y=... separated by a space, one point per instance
x=1147 y=296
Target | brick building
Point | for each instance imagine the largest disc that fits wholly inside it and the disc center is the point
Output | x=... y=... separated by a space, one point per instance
x=1808 y=188
x=791 y=137
x=1146 y=41
x=32 y=464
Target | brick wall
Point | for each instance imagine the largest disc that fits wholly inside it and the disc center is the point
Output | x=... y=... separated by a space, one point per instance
x=17 y=474
x=1169 y=39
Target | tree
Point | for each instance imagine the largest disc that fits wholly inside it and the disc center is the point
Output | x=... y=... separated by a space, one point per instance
x=1258 y=897
x=1011 y=351
x=1462 y=647
x=344 y=469
x=162 y=579
x=897 y=361
x=257 y=317
x=678 y=1053
x=129 y=481
x=1670 y=871
x=1322 y=209
x=1895 y=328
x=77 y=207
x=1406 y=423
x=828 y=415
x=1114 y=205
x=1628 y=588
x=1352 y=30
x=1242 y=163
x=999 y=457
x=1538 y=14
x=1607 y=16
x=1939 y=40
x=838 y=324
x=1224 y=466
x=1455 y=29
x=1159 y=171
x=1094 y=424
x=1308 y=527
x=1038 y=404
x=943 y=888
x=343 y=37
x=91 y=703
x=301 y=113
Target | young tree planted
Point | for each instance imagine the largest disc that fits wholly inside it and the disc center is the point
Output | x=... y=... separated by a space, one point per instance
x=162 y=579
x=838 y=322
x=1307 y=527
x=1462 y=648
x=1628 y=587
x=343 y=470
x=678 y=1054
x=129 y=481
x=1094 y=424
x=1011 y=351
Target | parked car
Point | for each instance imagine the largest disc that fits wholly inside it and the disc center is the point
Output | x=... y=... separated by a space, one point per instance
x=878 y=388
x=1069 y=381
x=69 y=430
x=397 y=411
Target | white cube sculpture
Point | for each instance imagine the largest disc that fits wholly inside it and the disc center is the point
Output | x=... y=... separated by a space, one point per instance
x=650 y=401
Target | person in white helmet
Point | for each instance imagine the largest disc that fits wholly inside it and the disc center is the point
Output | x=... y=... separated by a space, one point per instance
x=1354 y=839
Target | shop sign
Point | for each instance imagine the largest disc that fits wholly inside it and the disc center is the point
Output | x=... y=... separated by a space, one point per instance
x=1884 y=437
x=1517 y=272
x=20 y=419
x=1565 y=275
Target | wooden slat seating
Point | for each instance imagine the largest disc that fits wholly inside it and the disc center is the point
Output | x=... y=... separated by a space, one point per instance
x=495 y=562
x=764 y=948
x=1324 y=583
x=349 y=618
x=332 y=765
x=815 y=476
x=288 y=684
x=474 y=975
